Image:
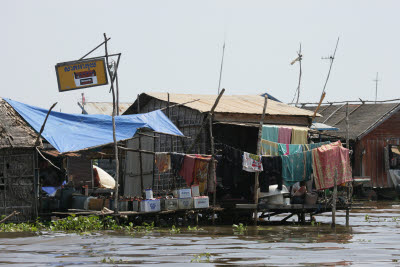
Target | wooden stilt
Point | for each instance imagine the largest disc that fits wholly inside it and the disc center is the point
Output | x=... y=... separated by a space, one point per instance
x=334 y=197
x=256 y=182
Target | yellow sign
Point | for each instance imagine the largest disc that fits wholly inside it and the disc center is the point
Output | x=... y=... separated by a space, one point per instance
x=81 y=74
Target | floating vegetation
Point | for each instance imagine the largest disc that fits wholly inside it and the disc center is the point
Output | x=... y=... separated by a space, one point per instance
x=240 y=229
x=203 y=257
x=174 y=230
x=194 y=228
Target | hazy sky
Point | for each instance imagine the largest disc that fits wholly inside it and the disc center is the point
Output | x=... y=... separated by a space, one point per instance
x=175 y=46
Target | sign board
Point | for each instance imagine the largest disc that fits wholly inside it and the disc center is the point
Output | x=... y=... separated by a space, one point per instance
x=81 y=74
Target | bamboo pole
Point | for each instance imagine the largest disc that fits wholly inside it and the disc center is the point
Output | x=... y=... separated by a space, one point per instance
x=256 y=182
x=348 y=147
x=334 y=197
x=319 y=105
x=212 y=168
x=114 y=135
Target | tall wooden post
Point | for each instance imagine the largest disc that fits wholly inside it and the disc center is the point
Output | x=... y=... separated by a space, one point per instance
x=348 y=147
x=334 y=197
x=257 y=174
x=212 y=167
x=114 y=136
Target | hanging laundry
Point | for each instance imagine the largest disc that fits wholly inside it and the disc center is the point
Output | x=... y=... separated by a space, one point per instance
x=176 y=162
x=162 y=161
x=252 y=163
x=201 y=172
x=231 y=164
x=299 y=135
x=285 y=149
x=270 y=133
x=284 y=135
x=187 y=170
x=269 y=148
x=328 y=161
x=272 y=173
x=296 y=167
x=316 y=145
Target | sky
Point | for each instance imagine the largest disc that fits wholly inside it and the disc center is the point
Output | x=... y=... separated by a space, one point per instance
x=176 y=47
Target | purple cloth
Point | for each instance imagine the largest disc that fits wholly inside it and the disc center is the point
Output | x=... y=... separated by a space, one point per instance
x=284 y=135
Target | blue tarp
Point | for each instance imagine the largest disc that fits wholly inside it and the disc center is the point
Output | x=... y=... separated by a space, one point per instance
x=73 y=132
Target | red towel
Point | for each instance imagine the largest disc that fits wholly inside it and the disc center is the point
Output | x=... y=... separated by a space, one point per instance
x=187 y=169
x=327 y=160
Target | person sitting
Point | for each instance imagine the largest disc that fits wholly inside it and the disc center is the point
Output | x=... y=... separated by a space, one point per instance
x=299 y=194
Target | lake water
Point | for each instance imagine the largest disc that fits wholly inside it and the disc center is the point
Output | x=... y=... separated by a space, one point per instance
x=372 y=239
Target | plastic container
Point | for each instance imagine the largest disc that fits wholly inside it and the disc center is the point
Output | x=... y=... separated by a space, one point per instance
x=201 y=202
x=150 y=205
x=185 y=193
x=169 y=204
x=195 y=190
x=149 y=193
x=185 y=203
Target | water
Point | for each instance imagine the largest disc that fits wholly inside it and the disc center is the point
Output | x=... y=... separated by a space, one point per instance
x=374 y=241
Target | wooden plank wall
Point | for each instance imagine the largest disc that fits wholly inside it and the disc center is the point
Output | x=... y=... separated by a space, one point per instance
x=373 y=161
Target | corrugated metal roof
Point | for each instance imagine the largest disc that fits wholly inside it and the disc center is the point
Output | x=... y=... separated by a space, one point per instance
x=256 y=125
x=14 y=131
x=362 y=117
x=105 y=108
x=245 y=104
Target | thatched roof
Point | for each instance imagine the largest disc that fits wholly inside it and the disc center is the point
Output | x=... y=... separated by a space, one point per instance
x=363 y=118
x=14 y=131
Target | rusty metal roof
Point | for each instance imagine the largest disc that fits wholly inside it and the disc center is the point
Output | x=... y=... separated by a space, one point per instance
x=14 y=131
x=105 y=108
x=238 y=104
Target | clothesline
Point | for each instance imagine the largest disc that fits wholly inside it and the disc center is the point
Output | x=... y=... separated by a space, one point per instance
x=322 y=159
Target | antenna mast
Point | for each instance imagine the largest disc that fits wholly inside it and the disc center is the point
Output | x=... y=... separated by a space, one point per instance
x=376 y=87
x=299 y=58
x=222 y=64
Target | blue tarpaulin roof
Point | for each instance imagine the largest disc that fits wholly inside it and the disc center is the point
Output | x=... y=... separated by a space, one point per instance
x=73 y=132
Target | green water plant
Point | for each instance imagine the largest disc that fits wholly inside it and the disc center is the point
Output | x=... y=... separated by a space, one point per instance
x=203 y=257
x=194 y=228
x=174 y=230
x=239 y=228
x=78 y=224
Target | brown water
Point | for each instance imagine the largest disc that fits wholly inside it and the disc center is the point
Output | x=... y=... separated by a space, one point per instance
x=375 y=241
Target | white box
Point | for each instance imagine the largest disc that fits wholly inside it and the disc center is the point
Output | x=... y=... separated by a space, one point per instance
x=185 y=203
x=201 y=202
x=185 y=193
x=169 y=204
x=150 y=205
x=149 y=193
x=195 y=190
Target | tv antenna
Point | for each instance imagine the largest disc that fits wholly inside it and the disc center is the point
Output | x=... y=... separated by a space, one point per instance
x=222 y=64
x=298 y=59
x=331 y=59
x=376 y=87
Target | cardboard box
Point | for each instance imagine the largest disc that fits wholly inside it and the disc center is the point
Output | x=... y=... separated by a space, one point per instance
x=201 y=202
x=169 y=204
x=185 y=193
x=195 y=190
x=185 y=203
x=150 y=205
